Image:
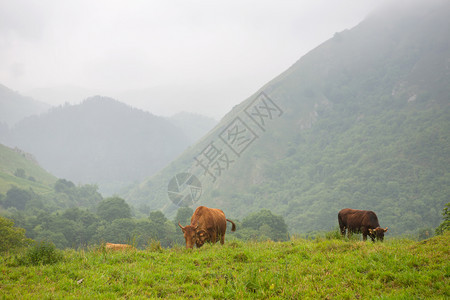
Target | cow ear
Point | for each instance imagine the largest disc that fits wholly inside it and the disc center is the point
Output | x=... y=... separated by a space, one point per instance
x=370 y=231
x=385 y=229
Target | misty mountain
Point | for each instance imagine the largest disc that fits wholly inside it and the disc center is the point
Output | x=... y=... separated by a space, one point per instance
x=14 y=107
x=100 y=141
x=194 y=126
x=361 y=121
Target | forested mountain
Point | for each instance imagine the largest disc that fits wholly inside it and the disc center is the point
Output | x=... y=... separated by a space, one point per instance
x=14 y=107
x=361 y=121
x=100 y=141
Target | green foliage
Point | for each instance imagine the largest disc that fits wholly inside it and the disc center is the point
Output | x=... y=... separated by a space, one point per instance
x=264 y=225
x=445 y=225
x=183 y=216
x=18 y=198
x=113 y=208
x=84 y=195
x=11 y=237
x=42 y=253
x=318 y=269
x=63 y=186
x=158 y=217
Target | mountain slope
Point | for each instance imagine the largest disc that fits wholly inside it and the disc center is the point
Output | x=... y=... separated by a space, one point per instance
x=194 y=126
x=362 y=121
x=14 y=107
x=20 y=169
x=100 y=141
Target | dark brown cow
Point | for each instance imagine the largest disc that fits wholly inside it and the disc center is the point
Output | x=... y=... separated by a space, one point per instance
x=360 y=221
x=207 y=225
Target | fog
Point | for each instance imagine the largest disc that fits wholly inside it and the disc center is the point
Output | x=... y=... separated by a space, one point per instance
x=161 y=56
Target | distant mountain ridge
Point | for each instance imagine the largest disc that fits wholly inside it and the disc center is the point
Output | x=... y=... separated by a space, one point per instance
x=100 y=141
x=365 y=124
x=14 y=107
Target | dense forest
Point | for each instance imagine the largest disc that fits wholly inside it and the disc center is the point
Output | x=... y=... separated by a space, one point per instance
x=77 y=216
x=67 y=215
x=362 y=121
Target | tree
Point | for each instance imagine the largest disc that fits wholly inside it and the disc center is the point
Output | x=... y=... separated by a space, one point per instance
x=11 y=237
x=165 y=229
x=120 y=231
x=445 y=225
x=267 y=225
x=63 y=185
x=18 y=198
x=183 y=216
x=113 y=208
x=158 y=217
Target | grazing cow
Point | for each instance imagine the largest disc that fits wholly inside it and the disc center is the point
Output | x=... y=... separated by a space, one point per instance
x=207 y=225
x=360 y=221
x=120 y=247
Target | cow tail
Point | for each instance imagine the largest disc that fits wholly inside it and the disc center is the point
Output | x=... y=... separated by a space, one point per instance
x=233 y=228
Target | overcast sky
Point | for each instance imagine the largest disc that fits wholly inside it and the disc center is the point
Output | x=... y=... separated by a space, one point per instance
x=161 y=56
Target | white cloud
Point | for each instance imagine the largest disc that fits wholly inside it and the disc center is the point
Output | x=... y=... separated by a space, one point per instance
x=215 y=53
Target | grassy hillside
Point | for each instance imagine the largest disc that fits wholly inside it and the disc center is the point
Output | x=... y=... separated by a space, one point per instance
x=362 y=121
x=33 y=176
x=298 y=269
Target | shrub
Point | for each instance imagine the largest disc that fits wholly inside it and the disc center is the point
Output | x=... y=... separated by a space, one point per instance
x=11 y=237
x=41 y=253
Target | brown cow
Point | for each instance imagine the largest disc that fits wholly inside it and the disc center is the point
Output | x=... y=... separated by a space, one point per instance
x=120 y=247
x=360 y=221
x=207 y=225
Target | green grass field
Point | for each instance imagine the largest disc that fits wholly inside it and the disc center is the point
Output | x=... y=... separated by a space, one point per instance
x=298 y=269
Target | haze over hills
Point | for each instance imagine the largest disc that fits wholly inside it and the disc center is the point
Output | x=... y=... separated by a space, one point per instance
x=14 y=107
x=100 y=141
x=194 y=126
x=362 y=121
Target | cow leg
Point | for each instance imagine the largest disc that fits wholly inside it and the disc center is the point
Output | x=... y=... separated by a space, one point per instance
x=342 y=228
x=364 y=236
x=213 y=237
x=222 y=239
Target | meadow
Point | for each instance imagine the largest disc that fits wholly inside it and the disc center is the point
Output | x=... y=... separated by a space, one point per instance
x=326 y=268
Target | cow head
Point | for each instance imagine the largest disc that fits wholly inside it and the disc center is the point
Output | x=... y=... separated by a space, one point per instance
x=202 y=237
x=378 y=233
x=190 y=235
